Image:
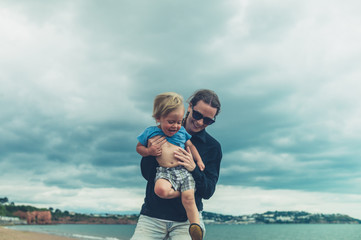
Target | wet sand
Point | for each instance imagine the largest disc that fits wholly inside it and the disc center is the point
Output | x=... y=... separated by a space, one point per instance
x=9 y=234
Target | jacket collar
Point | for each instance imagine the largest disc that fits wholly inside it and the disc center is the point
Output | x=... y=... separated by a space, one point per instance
x=202 y=135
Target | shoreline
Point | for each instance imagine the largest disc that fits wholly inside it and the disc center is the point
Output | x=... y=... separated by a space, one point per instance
x=10 y=234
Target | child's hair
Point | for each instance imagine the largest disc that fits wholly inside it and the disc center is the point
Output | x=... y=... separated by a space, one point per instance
x=165 y=103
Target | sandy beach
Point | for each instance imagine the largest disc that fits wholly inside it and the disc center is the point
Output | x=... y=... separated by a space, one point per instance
x=9 y=234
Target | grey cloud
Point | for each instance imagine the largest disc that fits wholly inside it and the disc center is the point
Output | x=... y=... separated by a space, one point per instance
x=72 y=105
x=103 y=176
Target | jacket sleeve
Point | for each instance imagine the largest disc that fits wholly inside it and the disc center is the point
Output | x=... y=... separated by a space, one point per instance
x=206 y=181
x=148 y=167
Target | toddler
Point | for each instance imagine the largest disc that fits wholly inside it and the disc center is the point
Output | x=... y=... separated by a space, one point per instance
x=172 y=180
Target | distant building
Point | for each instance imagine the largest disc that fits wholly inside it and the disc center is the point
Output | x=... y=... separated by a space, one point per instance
x=284 y=218
x=11 y=221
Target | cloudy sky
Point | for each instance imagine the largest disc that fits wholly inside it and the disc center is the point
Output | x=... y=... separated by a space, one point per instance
x=77 y=81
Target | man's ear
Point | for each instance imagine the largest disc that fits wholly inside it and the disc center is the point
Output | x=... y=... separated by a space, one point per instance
x=189 y=107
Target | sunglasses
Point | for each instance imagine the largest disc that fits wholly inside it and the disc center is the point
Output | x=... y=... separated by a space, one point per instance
x=198 y=116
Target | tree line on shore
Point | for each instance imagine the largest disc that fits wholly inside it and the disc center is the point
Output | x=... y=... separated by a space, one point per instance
x=277 y=217
x=57 y=216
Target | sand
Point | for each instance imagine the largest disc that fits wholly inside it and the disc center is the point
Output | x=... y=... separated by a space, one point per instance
x=9 y=234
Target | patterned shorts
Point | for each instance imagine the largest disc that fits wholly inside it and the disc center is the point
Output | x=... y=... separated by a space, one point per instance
x=179 y=177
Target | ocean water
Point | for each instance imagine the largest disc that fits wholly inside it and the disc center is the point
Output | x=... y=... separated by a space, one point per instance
x=214 y=232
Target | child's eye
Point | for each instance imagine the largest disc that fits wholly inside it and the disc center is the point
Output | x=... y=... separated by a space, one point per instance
x=174 y=122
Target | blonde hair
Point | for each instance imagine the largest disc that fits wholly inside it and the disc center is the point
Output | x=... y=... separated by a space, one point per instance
x=165 y=103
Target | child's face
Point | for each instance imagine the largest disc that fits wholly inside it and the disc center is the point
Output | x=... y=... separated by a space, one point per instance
x=171 y=123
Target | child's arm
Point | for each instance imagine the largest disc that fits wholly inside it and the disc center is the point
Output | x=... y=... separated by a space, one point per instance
x=195 y=155
x=142 y=150
x=154 y=147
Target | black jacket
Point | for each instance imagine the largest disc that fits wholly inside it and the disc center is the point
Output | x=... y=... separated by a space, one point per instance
x=172 y=209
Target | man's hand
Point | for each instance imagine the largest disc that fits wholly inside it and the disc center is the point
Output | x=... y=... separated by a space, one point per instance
x=155 y=145
x=185 y=158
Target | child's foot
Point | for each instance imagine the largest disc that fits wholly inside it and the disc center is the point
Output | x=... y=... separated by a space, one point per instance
x=196 y=231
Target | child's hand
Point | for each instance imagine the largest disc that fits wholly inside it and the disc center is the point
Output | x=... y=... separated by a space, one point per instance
x=155 y=145
x=201 y=165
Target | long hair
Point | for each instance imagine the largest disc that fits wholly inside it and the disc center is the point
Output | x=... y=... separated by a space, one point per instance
x=207 y=96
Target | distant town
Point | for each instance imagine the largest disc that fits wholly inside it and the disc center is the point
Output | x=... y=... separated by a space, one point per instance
x=279 y=217
x=11 y=214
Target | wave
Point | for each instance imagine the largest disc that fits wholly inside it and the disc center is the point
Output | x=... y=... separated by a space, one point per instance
x=87 y=237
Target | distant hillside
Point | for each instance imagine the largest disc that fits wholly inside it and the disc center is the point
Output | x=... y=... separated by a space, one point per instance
x=8 y=209
x=280 y=217
x=34 y=215
x=59 y=217
x=65 y=217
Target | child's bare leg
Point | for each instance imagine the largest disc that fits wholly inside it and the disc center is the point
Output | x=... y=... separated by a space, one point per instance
x=163 y=188
x=189 y=204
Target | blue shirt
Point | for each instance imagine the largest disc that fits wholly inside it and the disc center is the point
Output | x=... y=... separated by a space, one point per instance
x=179 y=139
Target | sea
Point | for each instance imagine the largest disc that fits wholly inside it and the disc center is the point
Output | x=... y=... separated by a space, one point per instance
x=213 y=232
